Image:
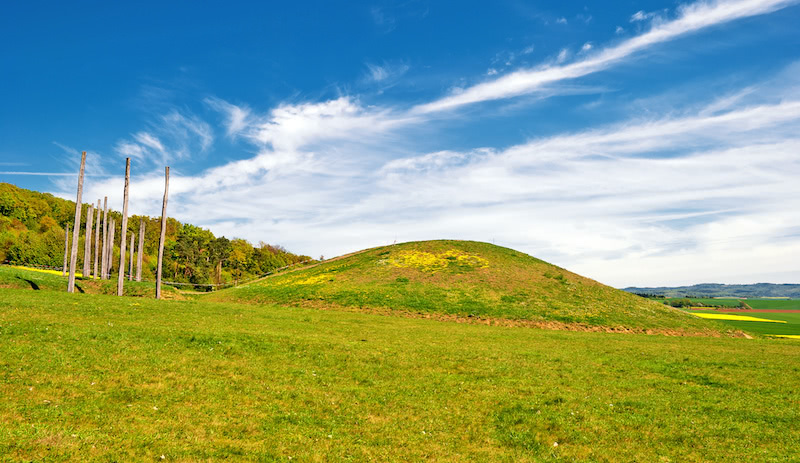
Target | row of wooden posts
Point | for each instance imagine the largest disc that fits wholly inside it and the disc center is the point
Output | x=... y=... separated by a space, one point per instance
x=103 y=253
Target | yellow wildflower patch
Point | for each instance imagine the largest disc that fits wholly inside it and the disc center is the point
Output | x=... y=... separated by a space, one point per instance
x=312 y=280
x=739 y=318
x=785 y=336
x=41 y=270
x=433 y=262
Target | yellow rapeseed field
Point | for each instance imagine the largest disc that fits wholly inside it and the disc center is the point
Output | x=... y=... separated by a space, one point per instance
x=741 y=318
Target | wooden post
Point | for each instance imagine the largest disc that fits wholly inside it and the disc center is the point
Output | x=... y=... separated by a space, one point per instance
x=141 y=245
x=130 y=266
x=112 y=229
x=163 y=234
x=76 y=228
x=124 y=230
x=97 y=241
x=104 y=257
x=87 y=243
x=66 y=251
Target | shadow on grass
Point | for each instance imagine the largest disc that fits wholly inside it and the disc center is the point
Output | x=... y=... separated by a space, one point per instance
x=33 y=284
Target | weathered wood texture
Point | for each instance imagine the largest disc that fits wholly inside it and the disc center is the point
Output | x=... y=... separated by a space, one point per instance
x=66 y=251
x=97 y=242
x=124 y=229
x=141 y=251
x=112 y=229
x=76 y=228
x=163 y=233
x=104 y=257
x=130 y=265
x=87 y=243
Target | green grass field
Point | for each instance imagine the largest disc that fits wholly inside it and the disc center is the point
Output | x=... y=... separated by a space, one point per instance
x=712 y=302
x=464 y=279
x=774 y=304
x=94 y=377
x=792 y=325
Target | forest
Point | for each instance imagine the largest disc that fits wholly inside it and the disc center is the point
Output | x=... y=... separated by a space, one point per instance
x=32 y=229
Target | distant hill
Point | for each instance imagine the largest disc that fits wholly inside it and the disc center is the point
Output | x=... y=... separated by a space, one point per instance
x=722 y=290
x=464 y=279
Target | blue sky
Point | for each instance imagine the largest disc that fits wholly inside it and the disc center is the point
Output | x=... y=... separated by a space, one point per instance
x=637 y=143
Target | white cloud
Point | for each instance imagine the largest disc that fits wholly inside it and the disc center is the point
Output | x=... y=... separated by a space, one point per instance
x=642 y=16
x=169 y=138
x=149 y=141
x=691 y=18
x=631 y=203
x=561 y=20
x=236 y=117
x=385 y=72
x=586 y=47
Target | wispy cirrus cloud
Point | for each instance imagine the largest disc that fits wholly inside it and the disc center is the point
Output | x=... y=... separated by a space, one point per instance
x=384 y=72
x=691 y=18
x=236 y=116
x=169 y=137
x=646 y=191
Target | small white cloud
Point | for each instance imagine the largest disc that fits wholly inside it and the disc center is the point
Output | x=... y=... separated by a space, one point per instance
x=561 y=20
x=130 y=150
x=149 y=141
x=237 y=117
x=384 y=72
x=586 y=46
x=491 y=72
x=377 y=73
x=642 y=16
x=528 y=50
x=562 y=55
x=619 y=30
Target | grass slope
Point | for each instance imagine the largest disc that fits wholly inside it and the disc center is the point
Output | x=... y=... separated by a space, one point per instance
x=464 y=278
x=99 y=378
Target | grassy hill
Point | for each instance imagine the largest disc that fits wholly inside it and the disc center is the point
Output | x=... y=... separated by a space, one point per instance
x=86 y=377
x=465 y=279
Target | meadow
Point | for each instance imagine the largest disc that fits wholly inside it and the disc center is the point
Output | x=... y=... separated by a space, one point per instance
x=93 y=377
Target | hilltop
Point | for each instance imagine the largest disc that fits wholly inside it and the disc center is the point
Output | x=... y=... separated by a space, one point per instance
x=465 y=280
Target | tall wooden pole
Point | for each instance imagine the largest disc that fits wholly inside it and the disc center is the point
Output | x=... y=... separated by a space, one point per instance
x=124 y=230
x=163 y=234
x=130 y=266
x=76 y=228
x=87 y=243
x=112 y=230
x=97 y=241
x=141 y=245
x=104 y=257
x=66 y=251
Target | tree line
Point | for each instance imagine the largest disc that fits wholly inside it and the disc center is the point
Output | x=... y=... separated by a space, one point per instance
x=32 y=228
